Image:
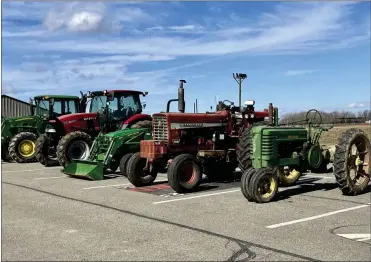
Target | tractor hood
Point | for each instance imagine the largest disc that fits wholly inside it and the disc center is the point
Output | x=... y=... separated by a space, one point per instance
x=128 y=132
x=77 y=116
x=20 y=118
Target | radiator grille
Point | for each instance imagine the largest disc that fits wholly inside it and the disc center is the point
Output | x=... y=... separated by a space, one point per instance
x=160 y=131
x=267 y=145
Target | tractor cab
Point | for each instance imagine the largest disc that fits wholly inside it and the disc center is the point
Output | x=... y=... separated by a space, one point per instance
x=52 y=106
x=121 y=105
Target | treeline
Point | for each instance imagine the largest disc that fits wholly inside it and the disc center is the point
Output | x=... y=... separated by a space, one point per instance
x=334 y=117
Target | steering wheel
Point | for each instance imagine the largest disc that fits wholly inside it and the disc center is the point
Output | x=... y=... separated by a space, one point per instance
x=315 y=117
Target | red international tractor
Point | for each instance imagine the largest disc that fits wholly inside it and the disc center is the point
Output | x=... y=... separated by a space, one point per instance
x=191 y=144
x=70 y=136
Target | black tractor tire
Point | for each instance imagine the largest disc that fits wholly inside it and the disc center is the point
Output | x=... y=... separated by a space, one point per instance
x=263 y=173
x=244 y=151
x=113 y=166
x=135 y=172
x=124 y=164
x=175 y=174
x=15 y=143
x=5 y=154
x=43 y=144
x=142 y=124
x=64 y=145
x=245 y=182
x=341 y=161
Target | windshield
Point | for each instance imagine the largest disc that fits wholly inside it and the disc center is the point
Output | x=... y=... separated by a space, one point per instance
x=123 y=106
x=60 y=107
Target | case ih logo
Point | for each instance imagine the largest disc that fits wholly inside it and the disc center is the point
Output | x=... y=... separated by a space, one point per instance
x=89 y=118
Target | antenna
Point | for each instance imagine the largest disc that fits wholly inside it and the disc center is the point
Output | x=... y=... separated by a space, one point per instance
x=239 y=77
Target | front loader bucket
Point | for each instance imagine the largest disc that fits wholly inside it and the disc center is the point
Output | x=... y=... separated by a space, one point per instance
x=92 y=170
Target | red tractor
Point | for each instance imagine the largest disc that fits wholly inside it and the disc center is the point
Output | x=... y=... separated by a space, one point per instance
x=70 y=136
x=190 y=144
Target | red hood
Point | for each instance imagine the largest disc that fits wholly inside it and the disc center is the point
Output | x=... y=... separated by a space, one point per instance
x=77 y=116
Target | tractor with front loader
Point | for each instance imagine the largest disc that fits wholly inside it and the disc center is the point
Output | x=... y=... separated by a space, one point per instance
x=19 y=134
x=191 y=144
x=71 y=136
x=279 y=155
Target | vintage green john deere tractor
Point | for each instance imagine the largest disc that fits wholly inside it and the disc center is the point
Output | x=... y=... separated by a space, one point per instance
x=19 y=134
x=280 y=155
x=109 y=150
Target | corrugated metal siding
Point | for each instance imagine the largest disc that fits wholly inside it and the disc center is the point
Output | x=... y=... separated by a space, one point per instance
x=12 y=107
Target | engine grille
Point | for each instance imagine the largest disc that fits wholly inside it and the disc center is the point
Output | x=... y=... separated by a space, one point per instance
x=267 y=145
x=160 y=130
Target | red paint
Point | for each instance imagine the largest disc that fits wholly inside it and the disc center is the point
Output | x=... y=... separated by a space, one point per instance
x=78 y=122
x=137 y=117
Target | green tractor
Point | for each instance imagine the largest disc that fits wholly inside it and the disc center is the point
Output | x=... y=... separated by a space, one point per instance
x=109 y=150
x=19 y=134
x=279 y=155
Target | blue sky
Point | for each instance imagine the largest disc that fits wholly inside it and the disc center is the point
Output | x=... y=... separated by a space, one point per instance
x=298 y=55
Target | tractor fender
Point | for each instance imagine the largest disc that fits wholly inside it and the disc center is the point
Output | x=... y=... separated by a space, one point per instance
x=136 y=118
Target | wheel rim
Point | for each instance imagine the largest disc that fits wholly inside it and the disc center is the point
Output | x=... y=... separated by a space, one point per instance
x=288 y=174
x=26 y=148
x=267 y=186
x=357 y=162
x=187 y=173
x=78 y=150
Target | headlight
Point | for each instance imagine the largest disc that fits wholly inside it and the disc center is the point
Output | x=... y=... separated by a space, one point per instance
x=249 y=102
x=50 y=130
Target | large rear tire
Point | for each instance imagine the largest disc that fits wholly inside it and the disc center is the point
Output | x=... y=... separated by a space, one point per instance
x=244 y=151
x=74 y=145
x=43 y=151
x=184 y=173
x=22 y=147
x=137 y=175
x=5 y=154
x=124 y=164
x=352 y=156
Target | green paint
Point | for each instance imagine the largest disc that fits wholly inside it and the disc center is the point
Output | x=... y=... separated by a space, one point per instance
x=107 y=151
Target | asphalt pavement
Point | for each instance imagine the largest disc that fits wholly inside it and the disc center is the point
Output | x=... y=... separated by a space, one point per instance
x=47 y=215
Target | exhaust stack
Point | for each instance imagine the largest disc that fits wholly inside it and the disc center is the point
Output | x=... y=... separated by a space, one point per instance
x=181 y=102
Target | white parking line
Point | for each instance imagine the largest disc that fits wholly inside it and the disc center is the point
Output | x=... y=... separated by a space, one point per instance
x=93 y=187
x=31 y=170
x=357 y=237
x=318 y=216
x=198 y=196
x=53 y=177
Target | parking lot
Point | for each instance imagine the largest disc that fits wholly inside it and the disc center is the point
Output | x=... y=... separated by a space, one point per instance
x=50 y=216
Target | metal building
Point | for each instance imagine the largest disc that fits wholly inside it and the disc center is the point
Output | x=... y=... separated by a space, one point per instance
x=12 y=107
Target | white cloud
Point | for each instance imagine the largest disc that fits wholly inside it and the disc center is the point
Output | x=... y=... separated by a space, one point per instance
x=359 y=105
x=298 y=72
x=318 y=27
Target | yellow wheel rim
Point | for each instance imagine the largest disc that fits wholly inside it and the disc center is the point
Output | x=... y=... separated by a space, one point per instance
x=268 y=185
x=26 y=148
x=289 y=175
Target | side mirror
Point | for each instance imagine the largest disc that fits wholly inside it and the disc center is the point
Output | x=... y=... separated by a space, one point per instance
x=145 y=93
x=144 y=105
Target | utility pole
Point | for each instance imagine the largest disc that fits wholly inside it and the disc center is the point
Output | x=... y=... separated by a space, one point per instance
x=239 y=77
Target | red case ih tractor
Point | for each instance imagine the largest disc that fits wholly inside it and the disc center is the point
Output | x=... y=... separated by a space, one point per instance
x=190 y=144
x=70 y=136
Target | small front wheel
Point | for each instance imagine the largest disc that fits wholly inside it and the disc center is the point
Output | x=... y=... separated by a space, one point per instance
x=184 y=173
x=138 y=173
x=264 y=185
